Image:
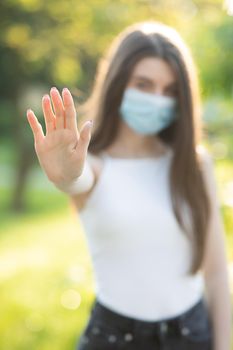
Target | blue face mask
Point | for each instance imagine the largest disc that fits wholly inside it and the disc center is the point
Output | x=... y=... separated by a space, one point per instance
x=147 y=113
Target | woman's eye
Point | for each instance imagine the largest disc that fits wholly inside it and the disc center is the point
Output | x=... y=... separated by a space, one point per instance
x=141 y=85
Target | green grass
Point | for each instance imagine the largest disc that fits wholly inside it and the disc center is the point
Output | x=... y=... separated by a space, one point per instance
x=46 y=281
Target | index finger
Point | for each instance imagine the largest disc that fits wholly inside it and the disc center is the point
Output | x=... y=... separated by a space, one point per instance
x=35 y=126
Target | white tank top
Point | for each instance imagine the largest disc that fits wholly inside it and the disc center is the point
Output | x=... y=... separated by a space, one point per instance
x=139 y=254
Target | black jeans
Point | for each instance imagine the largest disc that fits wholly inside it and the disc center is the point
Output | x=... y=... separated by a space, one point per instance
x=109 y=330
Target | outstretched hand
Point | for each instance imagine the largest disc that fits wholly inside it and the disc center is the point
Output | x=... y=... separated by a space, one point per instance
x=63 y=150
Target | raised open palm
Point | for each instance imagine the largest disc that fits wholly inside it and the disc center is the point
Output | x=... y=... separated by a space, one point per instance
x=63 y=150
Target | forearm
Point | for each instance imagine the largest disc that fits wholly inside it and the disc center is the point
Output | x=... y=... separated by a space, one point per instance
x=220 y=309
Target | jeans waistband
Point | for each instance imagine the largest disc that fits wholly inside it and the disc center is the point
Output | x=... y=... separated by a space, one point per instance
x=111 y=316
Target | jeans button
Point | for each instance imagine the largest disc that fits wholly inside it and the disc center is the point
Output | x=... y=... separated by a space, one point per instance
x=185 y=331
x=112 y=338
x=163 y=327
x=128 y=337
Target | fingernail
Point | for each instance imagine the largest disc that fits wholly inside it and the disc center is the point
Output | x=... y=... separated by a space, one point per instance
x=46 y=96
x=53 y=88
x=28 y=110
x=66 y=91
x=90 y=122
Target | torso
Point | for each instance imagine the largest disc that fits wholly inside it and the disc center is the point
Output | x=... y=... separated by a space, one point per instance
x=137 y=248
x=97 y=164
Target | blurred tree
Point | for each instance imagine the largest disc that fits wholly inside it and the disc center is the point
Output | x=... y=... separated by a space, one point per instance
x=58 y=42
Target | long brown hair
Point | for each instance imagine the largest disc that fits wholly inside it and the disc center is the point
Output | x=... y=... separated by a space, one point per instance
x=187 y=185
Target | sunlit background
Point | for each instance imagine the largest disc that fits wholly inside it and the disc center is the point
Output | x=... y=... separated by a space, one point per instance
x=46 y=277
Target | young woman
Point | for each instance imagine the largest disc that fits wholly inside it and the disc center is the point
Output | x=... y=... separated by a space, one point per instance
x=145 y=191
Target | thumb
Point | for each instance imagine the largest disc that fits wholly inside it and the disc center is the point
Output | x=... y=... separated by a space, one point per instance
x=85 y=136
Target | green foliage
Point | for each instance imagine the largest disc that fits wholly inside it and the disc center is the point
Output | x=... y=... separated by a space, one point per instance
x=218 y=125
x=59 y=42
x=212 y=45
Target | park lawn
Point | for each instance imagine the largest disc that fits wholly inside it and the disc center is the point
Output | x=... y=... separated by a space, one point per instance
x=46 y=282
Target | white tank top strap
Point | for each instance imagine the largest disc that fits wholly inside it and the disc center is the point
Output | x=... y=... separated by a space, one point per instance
x=104 y=155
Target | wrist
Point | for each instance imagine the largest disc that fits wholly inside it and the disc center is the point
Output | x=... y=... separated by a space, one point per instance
x=81 y=183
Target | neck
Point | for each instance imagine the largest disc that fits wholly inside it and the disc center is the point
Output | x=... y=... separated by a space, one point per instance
x=129 y=143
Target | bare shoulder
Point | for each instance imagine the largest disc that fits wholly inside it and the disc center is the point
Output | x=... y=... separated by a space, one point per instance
x=95 y=161
x=96 y=164
x=204 y=156
x=207 y=165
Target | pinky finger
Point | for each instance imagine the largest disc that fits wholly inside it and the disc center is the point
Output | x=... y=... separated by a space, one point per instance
x=35 y=126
